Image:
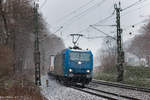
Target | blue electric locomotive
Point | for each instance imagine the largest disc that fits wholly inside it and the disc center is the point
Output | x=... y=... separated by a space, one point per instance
x=74 y=65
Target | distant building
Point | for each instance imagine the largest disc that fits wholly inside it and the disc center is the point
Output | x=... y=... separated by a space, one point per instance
x=131 y=59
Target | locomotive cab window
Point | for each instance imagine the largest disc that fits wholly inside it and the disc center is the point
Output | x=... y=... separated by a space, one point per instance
x=78 y=56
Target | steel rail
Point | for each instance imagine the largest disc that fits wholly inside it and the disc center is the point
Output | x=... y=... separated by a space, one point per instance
x=93 y=93
x=124 y=86
x=114 y=94
x=103 y=94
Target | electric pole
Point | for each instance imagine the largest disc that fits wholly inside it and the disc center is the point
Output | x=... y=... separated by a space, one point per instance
x=120 y=52
x=36 y=49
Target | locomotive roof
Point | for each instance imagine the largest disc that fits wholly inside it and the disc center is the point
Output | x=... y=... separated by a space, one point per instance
x=72 y=50
x=79 y=50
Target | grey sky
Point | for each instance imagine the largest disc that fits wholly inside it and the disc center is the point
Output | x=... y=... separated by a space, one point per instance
x=54 y=10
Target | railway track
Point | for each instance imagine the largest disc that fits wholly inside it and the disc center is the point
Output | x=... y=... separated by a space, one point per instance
x=103 y=94
x=108 y=95
x=93 y=90
x=118 y=85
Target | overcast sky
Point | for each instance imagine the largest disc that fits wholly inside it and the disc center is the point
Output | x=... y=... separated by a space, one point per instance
x=75 y=17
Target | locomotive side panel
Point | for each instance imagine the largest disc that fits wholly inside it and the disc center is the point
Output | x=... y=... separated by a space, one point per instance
x=58 y=65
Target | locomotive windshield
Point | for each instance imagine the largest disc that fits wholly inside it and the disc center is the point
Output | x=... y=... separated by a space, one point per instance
x=79 y=56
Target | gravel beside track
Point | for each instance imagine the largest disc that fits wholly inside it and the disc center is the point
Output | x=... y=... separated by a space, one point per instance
x=104 y=94
x=56 y=91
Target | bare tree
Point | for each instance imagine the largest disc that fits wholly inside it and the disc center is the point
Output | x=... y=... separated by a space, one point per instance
x=18 y=17
x=51 y=45
x=140 y=44
x=108 y=56
x=6 y=61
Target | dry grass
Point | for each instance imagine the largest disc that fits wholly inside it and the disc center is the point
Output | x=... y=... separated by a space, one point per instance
x=15 y=86
x=20 y=90
x=6 y=61
x=138 y=76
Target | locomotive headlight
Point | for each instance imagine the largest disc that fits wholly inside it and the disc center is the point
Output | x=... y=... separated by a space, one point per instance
x=79 y=62
x=88 y=71
x=70 y=70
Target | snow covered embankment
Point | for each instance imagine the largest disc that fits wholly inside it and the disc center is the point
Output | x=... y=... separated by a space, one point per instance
x=56 y=91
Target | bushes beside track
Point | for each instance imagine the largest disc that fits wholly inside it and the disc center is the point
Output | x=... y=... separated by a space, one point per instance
x=15 y=86
x=19 y=88
x=6 y=61
x=138 y=76
x=16 y=90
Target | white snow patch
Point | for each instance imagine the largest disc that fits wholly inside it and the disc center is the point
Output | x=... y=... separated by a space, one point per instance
x=56 y=91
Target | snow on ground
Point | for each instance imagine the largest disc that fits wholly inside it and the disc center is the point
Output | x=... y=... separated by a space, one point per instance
x=56 y=91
